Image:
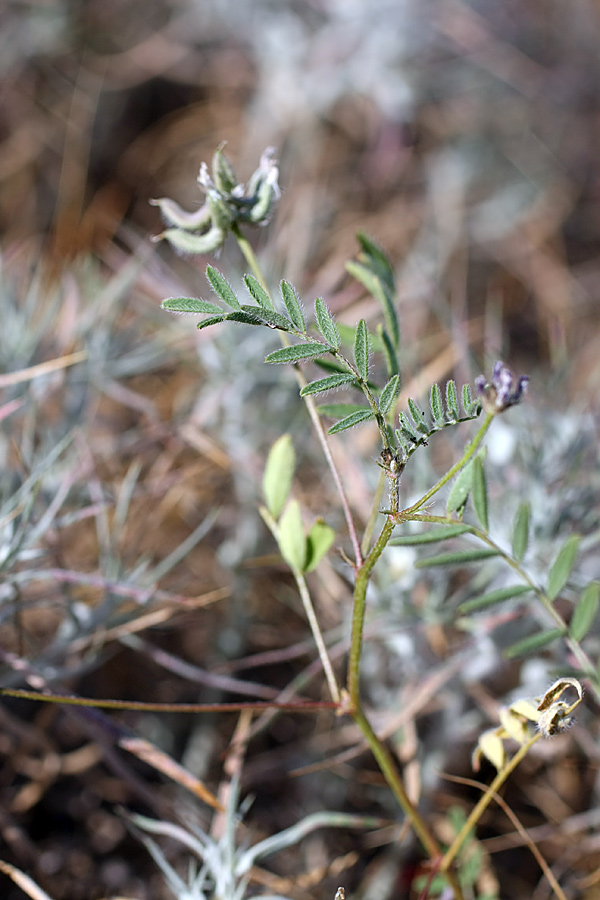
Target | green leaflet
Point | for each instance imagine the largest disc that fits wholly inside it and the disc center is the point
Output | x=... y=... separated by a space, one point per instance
x=430 y=537
x=377 y=260
x=326 y=324
x=292 y=543
x=257 y=292
x=377 y=277
x=452 y=401
x=585 y=612
x=318 y=542
x=221 y=287
x=354 y=419
x=418 y=417
x=459 y=558
x=190 y=305
x=292 y=304
x=561 y=569
x=436 y=405
x=493 y=598
x=327 y=384
x=212 y=320
x=361 y=350
x=252 y=317
x=532 y=643
x=479 y=491
x=470 y=406
x=460 y=490
x=389 y=394
x=296 y=353
x=267 y=317
x=520 y=537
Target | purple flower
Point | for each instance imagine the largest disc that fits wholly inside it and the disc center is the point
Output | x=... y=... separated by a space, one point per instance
x=504 y=390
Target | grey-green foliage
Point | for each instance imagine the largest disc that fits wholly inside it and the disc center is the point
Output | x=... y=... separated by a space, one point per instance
x=220 y=868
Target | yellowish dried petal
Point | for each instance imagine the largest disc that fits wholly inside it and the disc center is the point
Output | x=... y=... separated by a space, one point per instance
x=489 y=745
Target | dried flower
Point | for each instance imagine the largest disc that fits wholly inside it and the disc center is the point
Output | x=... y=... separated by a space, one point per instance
x=503 y=391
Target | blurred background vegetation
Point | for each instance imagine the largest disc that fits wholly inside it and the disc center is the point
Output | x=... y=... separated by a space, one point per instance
x=463 y=137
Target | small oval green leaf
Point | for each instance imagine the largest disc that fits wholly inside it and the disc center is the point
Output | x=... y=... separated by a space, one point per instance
x=292 y=542
x=561 y=568
x=532 y=643
x=318 y=541
x=479 y=488
x=361 y=350
x=221 y=287
x=190 y=305
x=349 y=422
x=585 y=612
x=279 y=472
x=326 y=324
x=292 y=304
x=296 y=353
x=520 y=538
x=326 y=384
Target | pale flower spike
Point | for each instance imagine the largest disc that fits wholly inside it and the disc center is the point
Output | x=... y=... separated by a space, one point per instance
x=229 y=203
x=503 y=391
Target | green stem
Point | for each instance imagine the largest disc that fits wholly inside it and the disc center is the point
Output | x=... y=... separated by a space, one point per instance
x=388 y=768
x=358 y=611
x=249 y=255
x=379 y=749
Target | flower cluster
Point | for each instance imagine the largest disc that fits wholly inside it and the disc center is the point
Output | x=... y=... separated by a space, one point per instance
x=503 y=391
x=228 y=204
